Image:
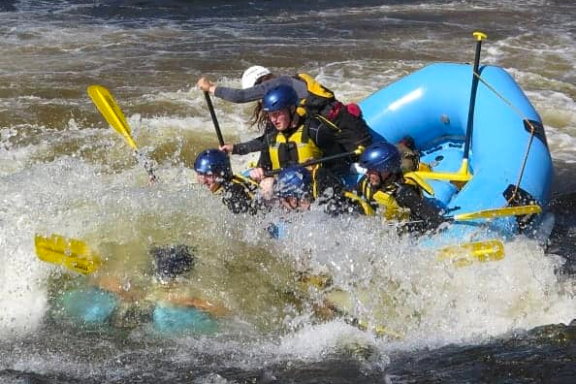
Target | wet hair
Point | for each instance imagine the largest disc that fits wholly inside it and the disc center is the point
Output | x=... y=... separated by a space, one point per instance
x=172 y=261
x=259 y=117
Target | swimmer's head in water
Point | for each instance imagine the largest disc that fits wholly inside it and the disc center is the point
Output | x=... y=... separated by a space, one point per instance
x=172 y=261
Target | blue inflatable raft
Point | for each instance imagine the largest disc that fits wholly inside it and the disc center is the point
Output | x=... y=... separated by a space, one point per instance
x=508 y=156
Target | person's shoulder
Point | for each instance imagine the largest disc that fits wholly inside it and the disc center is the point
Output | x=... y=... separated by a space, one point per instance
x=408 y=189
x=280 y=80
x=313 y=121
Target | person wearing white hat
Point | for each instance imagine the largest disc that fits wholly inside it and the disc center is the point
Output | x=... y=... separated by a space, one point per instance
x=315 y=100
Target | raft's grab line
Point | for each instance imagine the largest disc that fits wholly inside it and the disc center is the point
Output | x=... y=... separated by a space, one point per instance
x=432 y=106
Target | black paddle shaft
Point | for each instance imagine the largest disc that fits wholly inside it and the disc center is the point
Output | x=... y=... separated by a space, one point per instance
x=314 y=162
x=214 y=119
x=475 y=80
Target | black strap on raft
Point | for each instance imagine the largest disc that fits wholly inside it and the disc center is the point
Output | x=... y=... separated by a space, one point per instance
x=537 y=129
x=516 y=197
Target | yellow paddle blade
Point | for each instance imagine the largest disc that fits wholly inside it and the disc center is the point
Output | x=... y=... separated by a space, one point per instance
x=71 y=253
x=465 y=254
x=500 y=212
x=111 y=112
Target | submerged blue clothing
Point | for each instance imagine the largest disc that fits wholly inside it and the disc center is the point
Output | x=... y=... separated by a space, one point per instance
x=95 y=306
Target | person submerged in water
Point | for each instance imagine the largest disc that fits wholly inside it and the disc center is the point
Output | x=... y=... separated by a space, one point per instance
x=171 y=303
x=239 y=193
x=178 y=306
x=298 y=188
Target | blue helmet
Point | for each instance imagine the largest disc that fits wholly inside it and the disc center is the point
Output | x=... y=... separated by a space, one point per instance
x=172 y=261
x=381 y=157
x=214 y=162
x=294 y=181
x=280 y=97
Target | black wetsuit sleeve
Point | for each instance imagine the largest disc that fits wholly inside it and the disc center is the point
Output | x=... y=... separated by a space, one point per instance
x=331 y=194
x=265 y=161
x=327 y=184
x=257 y=92
x=324 y=135
x=238 y=199
x=255 y=145
x=420 y=208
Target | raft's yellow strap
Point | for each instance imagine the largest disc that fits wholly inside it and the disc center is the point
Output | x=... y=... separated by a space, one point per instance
x=328 y=123
x=462 y=175
x=420 y=182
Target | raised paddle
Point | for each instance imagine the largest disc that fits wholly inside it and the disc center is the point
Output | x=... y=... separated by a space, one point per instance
x=463 y=174
x=464 y=168
x=108 y=107
x=71 y=253
x=214 y=119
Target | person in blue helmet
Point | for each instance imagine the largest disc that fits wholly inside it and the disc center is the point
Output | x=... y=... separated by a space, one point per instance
x=315 y=100
x=294 y=188
x=394 y=194
x=295 y=139
x=239 y=193
x=169 y=304
x=297 y=188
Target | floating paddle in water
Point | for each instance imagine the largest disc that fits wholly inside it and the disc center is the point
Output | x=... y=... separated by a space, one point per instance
x=71 y=253
x=465 y=254
x=340 y=303
x=488 y=250
x=108 y=107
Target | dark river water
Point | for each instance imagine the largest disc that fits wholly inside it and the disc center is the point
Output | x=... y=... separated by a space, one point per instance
x=64 y=171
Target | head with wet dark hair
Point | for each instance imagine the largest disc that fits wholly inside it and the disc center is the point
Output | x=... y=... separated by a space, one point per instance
x=172 y=261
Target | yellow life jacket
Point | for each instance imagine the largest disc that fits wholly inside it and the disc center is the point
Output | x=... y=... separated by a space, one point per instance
x=366 y=207
x=385 y=198
x=318 y=99
x=296 y=148
x=250 y=186
x=390 y=208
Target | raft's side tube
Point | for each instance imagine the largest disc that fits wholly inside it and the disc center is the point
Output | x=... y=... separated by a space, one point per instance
x=431 y=105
